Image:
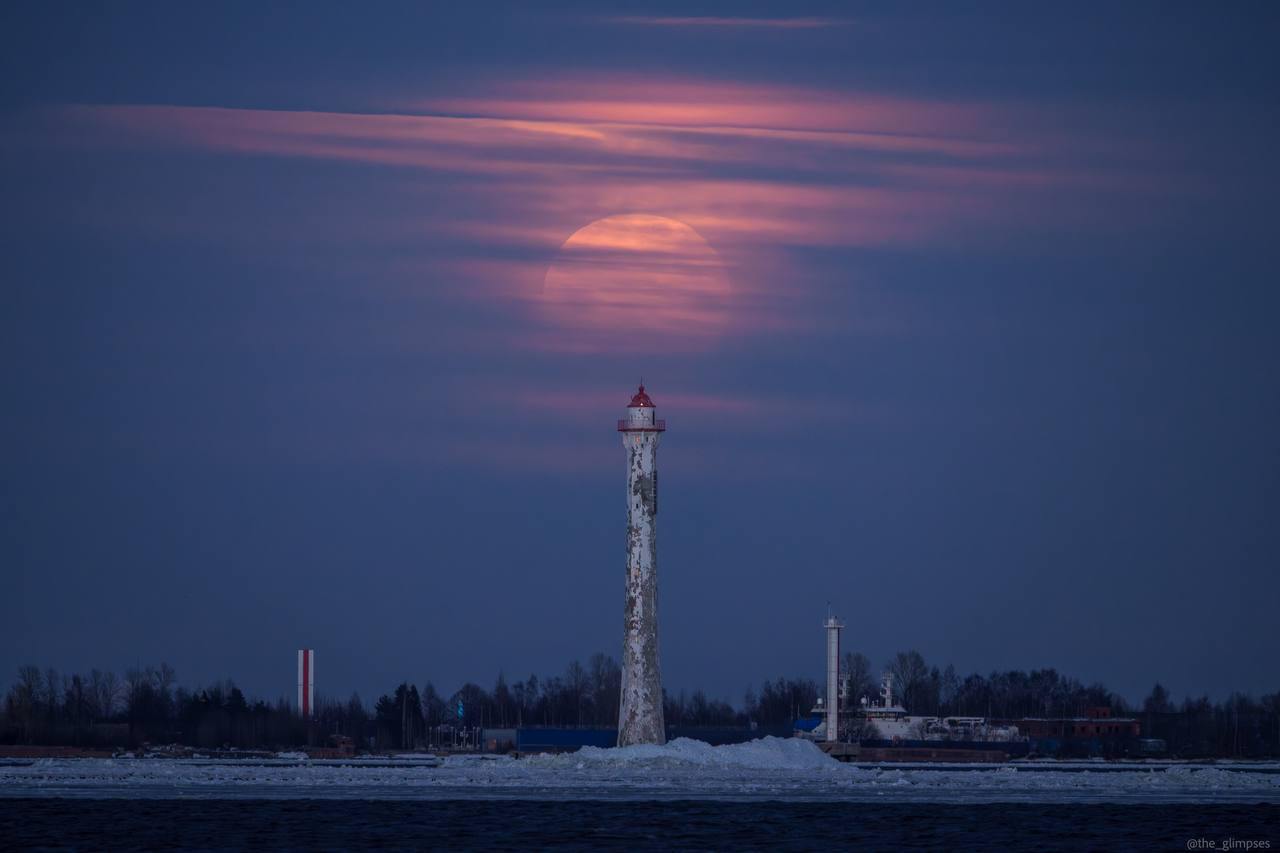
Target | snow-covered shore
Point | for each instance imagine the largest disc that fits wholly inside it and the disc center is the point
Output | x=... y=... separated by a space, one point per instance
x=767 y=769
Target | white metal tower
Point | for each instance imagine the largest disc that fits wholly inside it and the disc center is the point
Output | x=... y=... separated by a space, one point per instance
x=833 y=678
x=640 y=717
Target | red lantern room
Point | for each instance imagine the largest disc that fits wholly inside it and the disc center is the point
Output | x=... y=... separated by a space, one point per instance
x=640 y=400
x=641 y=415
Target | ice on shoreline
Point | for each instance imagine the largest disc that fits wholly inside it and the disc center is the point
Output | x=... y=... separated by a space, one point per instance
x=766 y=769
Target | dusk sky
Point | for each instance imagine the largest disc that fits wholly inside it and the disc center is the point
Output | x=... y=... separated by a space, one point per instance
x=315 y=323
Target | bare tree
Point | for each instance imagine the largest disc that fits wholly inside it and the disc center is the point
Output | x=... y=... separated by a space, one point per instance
x=105 y=690
x=164 y=679
x=502 y=701
x=858 y=680
x=576 y=682
x=605 y=683
x=910 y=676
x=950 y=688
x=24 y=701
x=51 y=697
x=78 y=703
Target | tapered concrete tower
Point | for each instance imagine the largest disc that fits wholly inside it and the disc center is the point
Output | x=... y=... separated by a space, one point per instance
x=640 y=715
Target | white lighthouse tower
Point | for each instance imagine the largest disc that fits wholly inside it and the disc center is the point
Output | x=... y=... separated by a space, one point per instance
x=833 y=627
x=640 y=715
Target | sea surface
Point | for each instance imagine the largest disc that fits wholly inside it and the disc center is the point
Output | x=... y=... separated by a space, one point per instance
x=214 y=824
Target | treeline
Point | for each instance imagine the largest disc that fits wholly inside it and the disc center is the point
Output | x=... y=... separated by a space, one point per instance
x=1239 y=726
x=147 y=705
x=929 y=691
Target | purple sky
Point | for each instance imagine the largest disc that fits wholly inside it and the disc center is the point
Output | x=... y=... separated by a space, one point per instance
x=315 y=323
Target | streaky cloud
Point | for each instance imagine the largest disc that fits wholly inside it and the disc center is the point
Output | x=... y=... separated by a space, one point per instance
x=756 y=170
x=717 y=22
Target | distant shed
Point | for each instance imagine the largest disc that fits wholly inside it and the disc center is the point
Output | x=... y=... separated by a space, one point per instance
x=563 y=740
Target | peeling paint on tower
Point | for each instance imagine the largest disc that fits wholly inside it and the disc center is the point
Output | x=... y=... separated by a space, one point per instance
x=640 y=718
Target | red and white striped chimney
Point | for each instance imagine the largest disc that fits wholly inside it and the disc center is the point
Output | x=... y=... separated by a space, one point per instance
x=306 y=682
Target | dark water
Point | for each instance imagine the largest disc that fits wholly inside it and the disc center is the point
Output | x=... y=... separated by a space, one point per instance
x=699 y=825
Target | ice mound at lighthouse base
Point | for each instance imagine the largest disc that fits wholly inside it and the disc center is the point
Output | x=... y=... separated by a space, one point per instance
x=768 y=753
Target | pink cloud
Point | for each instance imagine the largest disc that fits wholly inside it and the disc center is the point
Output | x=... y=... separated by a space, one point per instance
x=752 y=169
x=692 y=103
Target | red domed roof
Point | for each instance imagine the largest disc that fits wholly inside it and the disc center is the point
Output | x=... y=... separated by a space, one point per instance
x=640 y=400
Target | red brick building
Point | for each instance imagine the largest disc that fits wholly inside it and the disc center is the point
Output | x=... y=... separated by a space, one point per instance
x=1096 y=733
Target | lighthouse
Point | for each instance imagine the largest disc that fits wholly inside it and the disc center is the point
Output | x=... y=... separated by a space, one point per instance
x=640 y=713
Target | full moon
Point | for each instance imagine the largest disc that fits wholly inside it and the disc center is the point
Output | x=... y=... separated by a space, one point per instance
x=635 y=275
